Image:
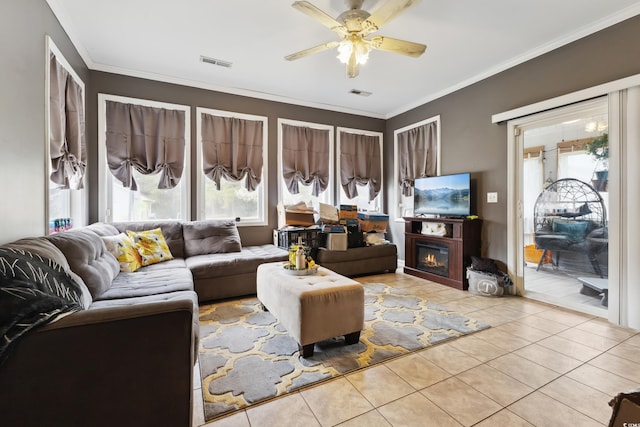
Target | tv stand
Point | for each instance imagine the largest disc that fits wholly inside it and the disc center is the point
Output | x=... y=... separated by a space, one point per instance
x=461 y=241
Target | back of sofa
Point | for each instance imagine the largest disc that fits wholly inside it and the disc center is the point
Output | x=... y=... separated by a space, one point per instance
x=171 y=230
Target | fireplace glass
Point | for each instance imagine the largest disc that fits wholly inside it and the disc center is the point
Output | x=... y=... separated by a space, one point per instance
x=433 y=258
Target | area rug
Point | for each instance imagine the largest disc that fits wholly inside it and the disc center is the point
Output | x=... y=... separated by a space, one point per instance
x=246 y=356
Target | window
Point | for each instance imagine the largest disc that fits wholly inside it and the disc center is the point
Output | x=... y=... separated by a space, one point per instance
x=305 y=151
x=231 y=150
x=65 y=143
x=370 y=169
x=405 y=173
x=143 y=159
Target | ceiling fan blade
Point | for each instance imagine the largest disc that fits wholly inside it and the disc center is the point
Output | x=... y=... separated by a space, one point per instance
x=402 y=47
x=320 y=16
x=311 y=51
x=386 y=13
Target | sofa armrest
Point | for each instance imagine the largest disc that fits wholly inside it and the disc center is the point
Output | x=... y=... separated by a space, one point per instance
x=129 y=365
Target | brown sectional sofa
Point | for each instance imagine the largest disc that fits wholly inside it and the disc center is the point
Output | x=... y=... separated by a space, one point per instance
x=127 y=359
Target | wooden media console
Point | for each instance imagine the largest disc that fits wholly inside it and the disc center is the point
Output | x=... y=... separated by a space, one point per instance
x=441 y=258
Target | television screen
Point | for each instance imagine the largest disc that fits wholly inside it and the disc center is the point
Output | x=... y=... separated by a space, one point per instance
x=446 y=195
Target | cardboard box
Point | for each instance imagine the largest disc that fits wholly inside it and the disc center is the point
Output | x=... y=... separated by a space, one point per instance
x=373 y=221
x=328 y=214
x=348 y=212
x=298 y=214
x=336 y=241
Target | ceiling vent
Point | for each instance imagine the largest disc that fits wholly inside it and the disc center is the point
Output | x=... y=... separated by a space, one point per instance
x=360 y=92
x=214 y=61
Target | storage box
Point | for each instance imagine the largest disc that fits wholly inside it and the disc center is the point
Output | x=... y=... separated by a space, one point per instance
x=373 y=221
x=336 y=241
x=298 y=214
x=288 y=236
x=348 y=212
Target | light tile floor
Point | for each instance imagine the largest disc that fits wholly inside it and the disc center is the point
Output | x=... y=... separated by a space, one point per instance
x=539 y=365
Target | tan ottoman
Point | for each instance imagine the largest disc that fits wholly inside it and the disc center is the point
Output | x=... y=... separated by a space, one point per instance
x=312 y=308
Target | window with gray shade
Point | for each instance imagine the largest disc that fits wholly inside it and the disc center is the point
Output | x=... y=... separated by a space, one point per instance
x=360 y=164
x=67 y=147
x=417 y=155
x=147 y=139
x=305 y=158
x=232 y=149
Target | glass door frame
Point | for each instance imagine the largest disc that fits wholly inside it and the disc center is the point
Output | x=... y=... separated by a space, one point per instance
x=515 y=187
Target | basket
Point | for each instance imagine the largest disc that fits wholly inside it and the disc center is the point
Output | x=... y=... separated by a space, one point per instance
x=533 y=255
x=486 y=284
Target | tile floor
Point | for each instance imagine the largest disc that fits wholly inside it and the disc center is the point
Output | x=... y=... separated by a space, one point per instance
x=539 y=365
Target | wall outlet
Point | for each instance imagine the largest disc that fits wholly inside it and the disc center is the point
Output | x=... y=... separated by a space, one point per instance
x=492 y=197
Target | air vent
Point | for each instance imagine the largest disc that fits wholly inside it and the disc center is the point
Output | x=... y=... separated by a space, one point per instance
x=214 y=61
x=360 y=92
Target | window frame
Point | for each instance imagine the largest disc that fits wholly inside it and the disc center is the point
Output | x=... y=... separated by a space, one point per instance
x=400 y=210
x=77 y=200
x=263 y=216
x=330 y=191
x=105 y=178
x=378 y=201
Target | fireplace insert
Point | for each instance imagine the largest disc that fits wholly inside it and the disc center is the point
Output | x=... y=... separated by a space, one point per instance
x=432 y=258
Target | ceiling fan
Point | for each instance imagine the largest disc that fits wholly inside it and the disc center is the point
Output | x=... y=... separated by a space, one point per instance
x=353 y=26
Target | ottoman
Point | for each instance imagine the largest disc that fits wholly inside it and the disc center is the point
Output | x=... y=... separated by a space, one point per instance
x=312 y=308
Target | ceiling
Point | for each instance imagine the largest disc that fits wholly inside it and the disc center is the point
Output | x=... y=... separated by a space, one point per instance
x=467 y=40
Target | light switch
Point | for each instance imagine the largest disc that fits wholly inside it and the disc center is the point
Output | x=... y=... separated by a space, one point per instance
x=492 y=197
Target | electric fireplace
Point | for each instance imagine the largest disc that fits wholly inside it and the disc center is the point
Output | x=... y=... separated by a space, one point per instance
x=432 y=258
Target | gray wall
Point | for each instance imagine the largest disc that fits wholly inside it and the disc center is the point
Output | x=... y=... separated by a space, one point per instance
x=22 y=107
x=115 y=84
x=471 y=143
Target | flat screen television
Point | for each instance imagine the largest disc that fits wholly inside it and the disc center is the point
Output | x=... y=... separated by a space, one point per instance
x=445 y=195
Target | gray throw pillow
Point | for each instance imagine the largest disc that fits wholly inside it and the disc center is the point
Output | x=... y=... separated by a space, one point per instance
x=210 y=237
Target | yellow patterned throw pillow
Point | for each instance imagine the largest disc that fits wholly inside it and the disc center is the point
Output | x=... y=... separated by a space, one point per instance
x=151 y=246
x=122 y=247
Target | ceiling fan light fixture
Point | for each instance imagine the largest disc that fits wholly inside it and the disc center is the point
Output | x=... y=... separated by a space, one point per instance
x=353 y=46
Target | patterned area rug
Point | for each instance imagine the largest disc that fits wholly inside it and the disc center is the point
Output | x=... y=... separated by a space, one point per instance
x=246 y=356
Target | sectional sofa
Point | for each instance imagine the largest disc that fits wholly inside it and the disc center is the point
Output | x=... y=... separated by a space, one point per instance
x=127 y=357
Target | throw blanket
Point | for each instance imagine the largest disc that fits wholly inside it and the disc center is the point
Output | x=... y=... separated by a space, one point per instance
x=33 y=291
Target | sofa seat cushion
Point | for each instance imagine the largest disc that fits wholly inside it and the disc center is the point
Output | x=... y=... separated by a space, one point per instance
x=144 y=299
x=235 y=263
x=355 y=254
x=166 y=265
x=146 y=282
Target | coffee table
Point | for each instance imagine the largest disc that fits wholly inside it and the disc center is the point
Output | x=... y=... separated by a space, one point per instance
x=313 y=307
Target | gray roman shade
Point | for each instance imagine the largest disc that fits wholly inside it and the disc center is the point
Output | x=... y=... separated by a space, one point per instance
x=417 y=155
x=67 y=147
x=232 y=149
x=360 y=163
x=305 y=158
x=147 y=139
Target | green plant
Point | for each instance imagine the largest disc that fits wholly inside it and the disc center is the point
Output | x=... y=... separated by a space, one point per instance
x=599 y=147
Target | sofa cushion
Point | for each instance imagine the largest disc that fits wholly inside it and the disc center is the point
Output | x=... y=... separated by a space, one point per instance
x=210 y=237
x=171 y=230
x=88 y=257
x=151 y=246
x=121 y=246
x=235 y=263
x=103 y=229
x=148 y=282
